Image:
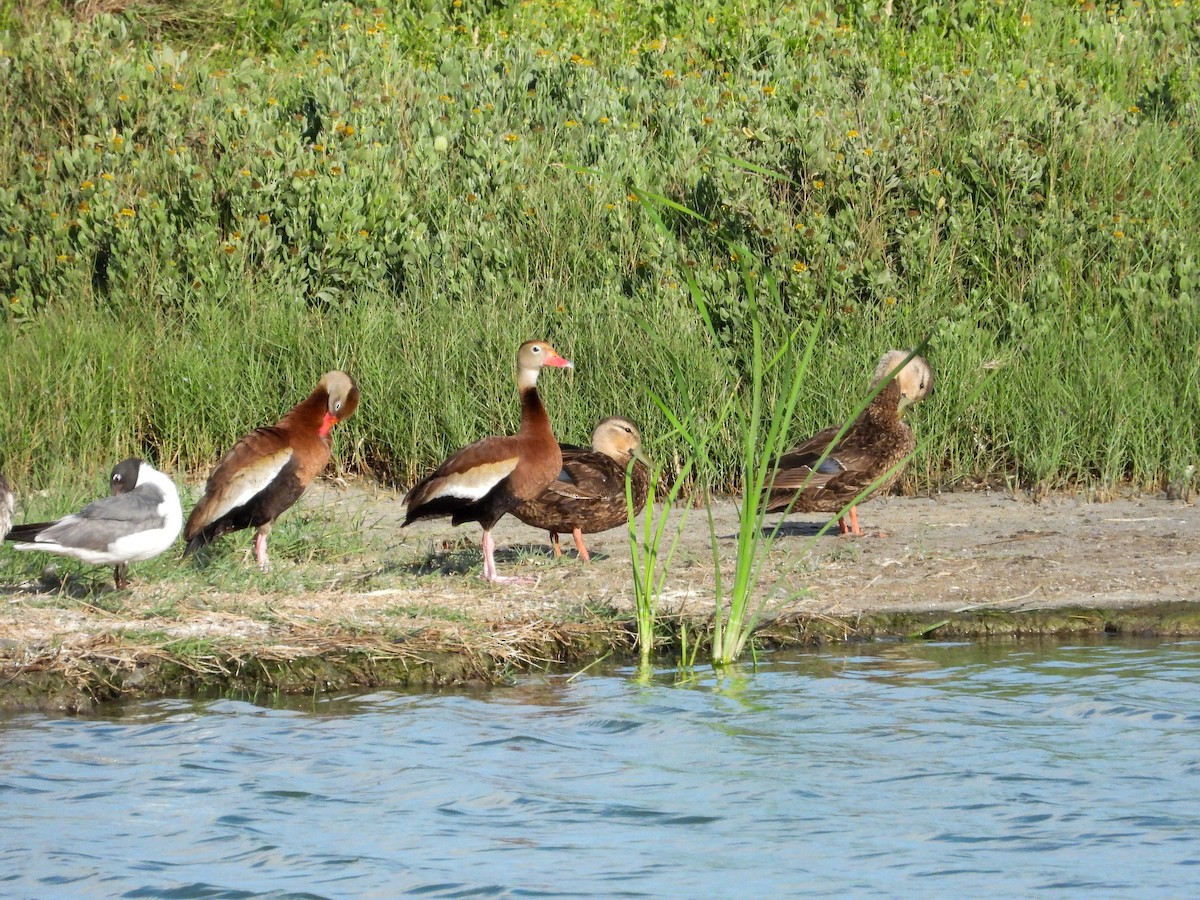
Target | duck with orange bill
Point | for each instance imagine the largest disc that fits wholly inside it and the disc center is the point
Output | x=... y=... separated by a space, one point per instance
x=270 y=468
x=485 y=480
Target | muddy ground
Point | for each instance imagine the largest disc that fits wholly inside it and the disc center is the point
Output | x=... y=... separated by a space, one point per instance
x=949 y=552
x=415 y=594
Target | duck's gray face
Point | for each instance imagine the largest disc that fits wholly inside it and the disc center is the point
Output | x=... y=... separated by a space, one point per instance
x=915 y=379
x=916 y=382
x=617 y=438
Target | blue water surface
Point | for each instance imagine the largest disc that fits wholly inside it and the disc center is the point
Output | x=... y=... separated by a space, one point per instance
x=887 y=769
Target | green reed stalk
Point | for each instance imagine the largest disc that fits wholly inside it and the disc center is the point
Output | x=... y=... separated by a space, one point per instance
x=650 y=565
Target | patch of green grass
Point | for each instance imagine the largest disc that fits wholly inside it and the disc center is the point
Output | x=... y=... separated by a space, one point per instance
x=206 y=206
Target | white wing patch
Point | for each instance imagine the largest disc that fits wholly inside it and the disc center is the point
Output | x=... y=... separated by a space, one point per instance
x=248 y=482
x=475 y=483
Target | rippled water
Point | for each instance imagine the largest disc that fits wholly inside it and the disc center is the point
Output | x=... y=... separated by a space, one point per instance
x=888 y=768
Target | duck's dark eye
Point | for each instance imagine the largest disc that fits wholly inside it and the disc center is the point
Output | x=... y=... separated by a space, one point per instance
x=116 y=478
x=536 y=348
x=337 y=406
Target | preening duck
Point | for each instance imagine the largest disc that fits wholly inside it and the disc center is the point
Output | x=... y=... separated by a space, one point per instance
x=483 y=481
x=876 y=444
x=588 y=495
x=139 y=520
x=271 y=467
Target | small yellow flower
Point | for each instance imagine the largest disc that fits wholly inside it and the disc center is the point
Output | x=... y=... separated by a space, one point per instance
x=229 y=248
x=245 y=173
x=335 y=170
x=769 y=90
x=890 y=301
x=965 y=71
x=935 y=173
x=668 y=73
x=818 y=184
x=610 y=206
x=799 y=267
x=107 y=176
x=445 y=98
x=852 y=134
x=632 y=198
x=603 y=120
x=1118 y=234
x=362 y=232
x=1135 y=109
x=570 y=123
x=264 y=218
x=271 y=101
x=122 y=97
x=176 y=86
x=87 y=185
x=62 y=257
x=1026 y=19
x=511 y=138
x=126 y=212
x=867 y=151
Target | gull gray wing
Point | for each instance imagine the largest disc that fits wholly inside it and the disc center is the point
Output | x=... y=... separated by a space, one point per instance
x=103 y=521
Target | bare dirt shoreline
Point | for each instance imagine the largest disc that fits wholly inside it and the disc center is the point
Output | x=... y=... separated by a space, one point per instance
x=413 y=609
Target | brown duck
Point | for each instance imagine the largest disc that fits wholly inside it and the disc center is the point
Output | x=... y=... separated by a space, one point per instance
x=268 y=469
x=874 y=445
x=589 y=494
x=483 y=481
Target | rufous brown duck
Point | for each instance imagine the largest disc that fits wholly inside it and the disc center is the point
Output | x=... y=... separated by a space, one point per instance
x=483 y=481
x=876 y=445
x=270 y=468
x=588 y=496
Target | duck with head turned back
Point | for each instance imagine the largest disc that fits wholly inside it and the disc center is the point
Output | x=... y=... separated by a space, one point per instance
x=876 y=445
x=483 y=481
x=139 y=519
x=268 y=469
x=589 y=494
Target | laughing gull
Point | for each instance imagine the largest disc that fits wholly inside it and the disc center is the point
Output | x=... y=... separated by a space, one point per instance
x=6 y=506
x=138 y=521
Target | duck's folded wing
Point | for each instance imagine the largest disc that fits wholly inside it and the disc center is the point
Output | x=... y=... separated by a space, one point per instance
x=238 y=479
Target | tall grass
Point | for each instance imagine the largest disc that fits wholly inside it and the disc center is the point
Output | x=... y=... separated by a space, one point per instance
x=194 y=225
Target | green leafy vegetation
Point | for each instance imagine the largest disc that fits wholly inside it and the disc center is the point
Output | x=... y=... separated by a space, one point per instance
x=204 y=206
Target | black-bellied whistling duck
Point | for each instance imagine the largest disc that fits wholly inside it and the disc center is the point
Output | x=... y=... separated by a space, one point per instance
x=483 y=481
x=268 y=469
x=7 y=505
x=589 y=494
x=875 y=443
x=139 y=520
